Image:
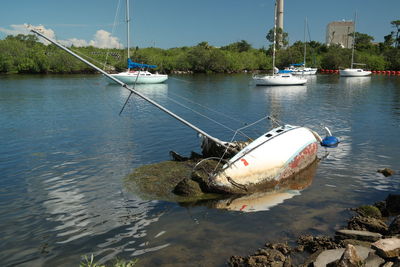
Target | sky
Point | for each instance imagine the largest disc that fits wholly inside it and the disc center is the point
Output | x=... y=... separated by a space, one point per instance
x=177 y=23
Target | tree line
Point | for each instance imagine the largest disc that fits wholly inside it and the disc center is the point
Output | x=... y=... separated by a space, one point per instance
x=25 y=54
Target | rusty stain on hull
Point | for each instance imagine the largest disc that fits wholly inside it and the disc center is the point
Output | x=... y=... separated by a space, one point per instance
x=276 y=177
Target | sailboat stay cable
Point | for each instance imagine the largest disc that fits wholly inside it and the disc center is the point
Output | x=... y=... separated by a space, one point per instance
x=112 y=32
x=274 y=45
x=216 y=140
x=354 y=39
x=208 y=108
x=220 y=124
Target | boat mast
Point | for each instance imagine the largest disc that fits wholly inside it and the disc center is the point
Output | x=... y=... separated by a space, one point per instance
x=354 y=39
x=132 y=90
x=305 y=43
x=273 y=49
x=127 y=29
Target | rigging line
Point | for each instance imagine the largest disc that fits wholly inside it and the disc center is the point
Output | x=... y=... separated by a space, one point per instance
x=112 y=32
x=233 y=137
x=194 y=111
x=84 y=55
x=210 y=109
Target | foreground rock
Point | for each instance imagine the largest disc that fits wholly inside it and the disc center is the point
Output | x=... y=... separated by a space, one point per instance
x=357 y=235
x=351 y=248
x=277 y=255
x=387 y=248
x=349 y=256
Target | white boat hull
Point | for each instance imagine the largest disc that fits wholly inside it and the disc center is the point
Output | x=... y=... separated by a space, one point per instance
x=144 y=77
x=354 y=73
x=268 y=160
x=279 y=79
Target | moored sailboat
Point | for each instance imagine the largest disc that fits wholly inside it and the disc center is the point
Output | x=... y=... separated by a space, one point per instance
x=354 y=72
x=277 y=78
x=136 y=72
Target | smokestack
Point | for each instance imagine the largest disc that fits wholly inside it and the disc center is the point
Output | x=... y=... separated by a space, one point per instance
x=279 y=14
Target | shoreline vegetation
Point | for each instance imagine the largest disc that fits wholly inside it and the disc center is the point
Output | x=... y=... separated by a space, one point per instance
x=25 y=54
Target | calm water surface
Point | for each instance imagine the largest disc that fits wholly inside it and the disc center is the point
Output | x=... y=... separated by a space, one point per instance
x=65 y=152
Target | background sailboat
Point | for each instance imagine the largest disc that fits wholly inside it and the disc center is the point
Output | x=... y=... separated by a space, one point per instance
x=302 y=69
x=277 y=78
x=352 y=72
x=141 y=75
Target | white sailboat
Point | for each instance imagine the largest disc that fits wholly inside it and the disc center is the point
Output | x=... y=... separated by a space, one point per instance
x=302 y=69
x=141 y=75
x=354 y=72
x=268 y=160
x=277 y=78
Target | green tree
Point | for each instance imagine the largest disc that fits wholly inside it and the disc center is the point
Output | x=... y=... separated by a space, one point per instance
x=396 y=34
x=281 y=37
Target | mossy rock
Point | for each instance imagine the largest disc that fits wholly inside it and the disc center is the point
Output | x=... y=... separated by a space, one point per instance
x=369 y=211
x=158 y=181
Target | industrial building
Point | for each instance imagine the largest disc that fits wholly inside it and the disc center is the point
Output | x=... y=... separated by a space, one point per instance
x=340 y=32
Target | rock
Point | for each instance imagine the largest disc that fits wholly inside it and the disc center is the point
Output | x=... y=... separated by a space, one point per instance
x=369 y=211
x=373 y=260
x=358 y=235
x=367 y=224
x=355 y=242
x=313 y=244
x=394 y=227
x=332 y=255
x=188 y=187
x=282 y=247
x=393 y=204
x=386 y=172
x=387 y=248
x=381 y=205
x=350 y=258
x=264 y=257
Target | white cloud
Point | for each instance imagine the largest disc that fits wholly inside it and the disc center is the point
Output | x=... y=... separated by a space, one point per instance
x=102 y=38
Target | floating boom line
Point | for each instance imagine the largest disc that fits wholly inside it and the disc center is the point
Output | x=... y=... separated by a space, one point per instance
x=132 y=90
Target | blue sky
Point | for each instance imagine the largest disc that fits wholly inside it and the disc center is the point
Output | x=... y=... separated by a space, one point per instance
x=176 y=23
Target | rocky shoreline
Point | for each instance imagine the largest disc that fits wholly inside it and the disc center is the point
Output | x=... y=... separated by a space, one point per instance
x=371 y=238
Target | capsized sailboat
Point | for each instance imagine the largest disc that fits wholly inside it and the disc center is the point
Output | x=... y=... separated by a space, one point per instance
x=136 y=72
x=274 y=156
x=354 y=72
x=277 y=78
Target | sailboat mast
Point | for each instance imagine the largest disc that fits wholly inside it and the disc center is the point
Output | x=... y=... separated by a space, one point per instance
x=274 y=44
x=127 y=28
x=132 y=90
x=354 y=39
x=305 y=43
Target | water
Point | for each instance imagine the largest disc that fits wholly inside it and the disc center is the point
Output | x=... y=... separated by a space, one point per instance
x=65 y=152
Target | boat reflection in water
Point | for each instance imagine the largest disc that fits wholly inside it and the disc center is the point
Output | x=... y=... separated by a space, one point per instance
x=287 y=92
x=263 y=201
x=356 y=82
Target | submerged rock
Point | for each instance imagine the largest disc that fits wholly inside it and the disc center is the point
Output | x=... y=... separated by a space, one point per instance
x=158 y=181
x=386 y=172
